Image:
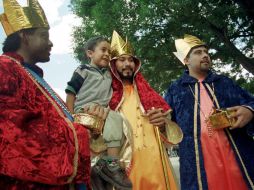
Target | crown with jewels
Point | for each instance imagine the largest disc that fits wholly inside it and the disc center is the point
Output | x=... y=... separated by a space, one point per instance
x=16 y=18
x=183 y=46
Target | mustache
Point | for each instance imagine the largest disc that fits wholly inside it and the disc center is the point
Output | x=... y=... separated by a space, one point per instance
x=205 y=59
x=128 y=68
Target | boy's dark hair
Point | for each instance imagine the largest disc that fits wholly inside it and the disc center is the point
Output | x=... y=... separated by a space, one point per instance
x=92 y=43
x=13 y=41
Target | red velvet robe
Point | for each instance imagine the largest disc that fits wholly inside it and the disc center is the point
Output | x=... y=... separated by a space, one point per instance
x=37 y=144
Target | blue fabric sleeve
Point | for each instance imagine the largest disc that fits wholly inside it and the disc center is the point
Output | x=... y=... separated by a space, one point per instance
x=169 y=99
x=247 y=100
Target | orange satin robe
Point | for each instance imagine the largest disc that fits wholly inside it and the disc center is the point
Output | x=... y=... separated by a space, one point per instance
x=146 y=167
x=222 y=170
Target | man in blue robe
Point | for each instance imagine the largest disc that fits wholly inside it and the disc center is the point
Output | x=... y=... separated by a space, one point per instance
x=185 y=97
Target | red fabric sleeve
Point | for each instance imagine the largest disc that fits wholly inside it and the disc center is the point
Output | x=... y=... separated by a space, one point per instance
x=148 y=96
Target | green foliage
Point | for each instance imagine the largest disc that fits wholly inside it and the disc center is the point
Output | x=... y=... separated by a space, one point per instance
x=152 y=27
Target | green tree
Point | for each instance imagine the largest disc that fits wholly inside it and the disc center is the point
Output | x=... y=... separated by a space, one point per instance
x=152 y=26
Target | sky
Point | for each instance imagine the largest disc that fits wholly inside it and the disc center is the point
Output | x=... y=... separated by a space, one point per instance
x=59 y=69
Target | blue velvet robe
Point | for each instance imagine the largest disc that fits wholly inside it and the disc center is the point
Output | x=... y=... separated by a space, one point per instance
x=186 y=113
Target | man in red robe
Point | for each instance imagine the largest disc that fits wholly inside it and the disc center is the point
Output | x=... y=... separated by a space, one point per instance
x=41 y=148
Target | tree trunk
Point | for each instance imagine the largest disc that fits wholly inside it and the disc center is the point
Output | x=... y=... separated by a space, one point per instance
x=240 y=58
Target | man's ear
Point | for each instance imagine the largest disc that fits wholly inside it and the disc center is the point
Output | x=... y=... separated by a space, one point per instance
x=24 y=37
x=186 y=61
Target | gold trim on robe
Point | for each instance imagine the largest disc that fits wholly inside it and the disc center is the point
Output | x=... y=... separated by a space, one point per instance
x=146 y=165
x=70 y=124
x=196 y=137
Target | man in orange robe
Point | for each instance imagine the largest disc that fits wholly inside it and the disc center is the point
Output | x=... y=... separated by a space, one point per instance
x=144 y=110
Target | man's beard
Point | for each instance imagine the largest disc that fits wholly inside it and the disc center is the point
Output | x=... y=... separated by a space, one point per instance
x=124 y=77
x=205 y=69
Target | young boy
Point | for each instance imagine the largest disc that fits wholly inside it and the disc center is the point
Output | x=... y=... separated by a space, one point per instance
x=89 y=85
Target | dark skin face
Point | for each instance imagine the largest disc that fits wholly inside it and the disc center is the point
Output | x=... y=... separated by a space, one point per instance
x=36 y=46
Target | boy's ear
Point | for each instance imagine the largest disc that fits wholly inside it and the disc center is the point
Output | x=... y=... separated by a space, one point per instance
x=89 y=53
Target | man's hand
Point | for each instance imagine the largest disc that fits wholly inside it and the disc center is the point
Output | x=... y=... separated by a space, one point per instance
x=157 y=117
x=242 y=114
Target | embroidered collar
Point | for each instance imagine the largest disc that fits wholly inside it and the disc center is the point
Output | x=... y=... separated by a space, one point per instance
x=34 y=68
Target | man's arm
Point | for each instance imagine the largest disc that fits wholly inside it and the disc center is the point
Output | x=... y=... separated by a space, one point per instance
x=73 y=87
x=169 y=99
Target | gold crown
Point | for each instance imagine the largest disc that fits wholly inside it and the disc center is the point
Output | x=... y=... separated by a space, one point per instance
x=16 y=18
x=119 y=46
x=183 y=46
